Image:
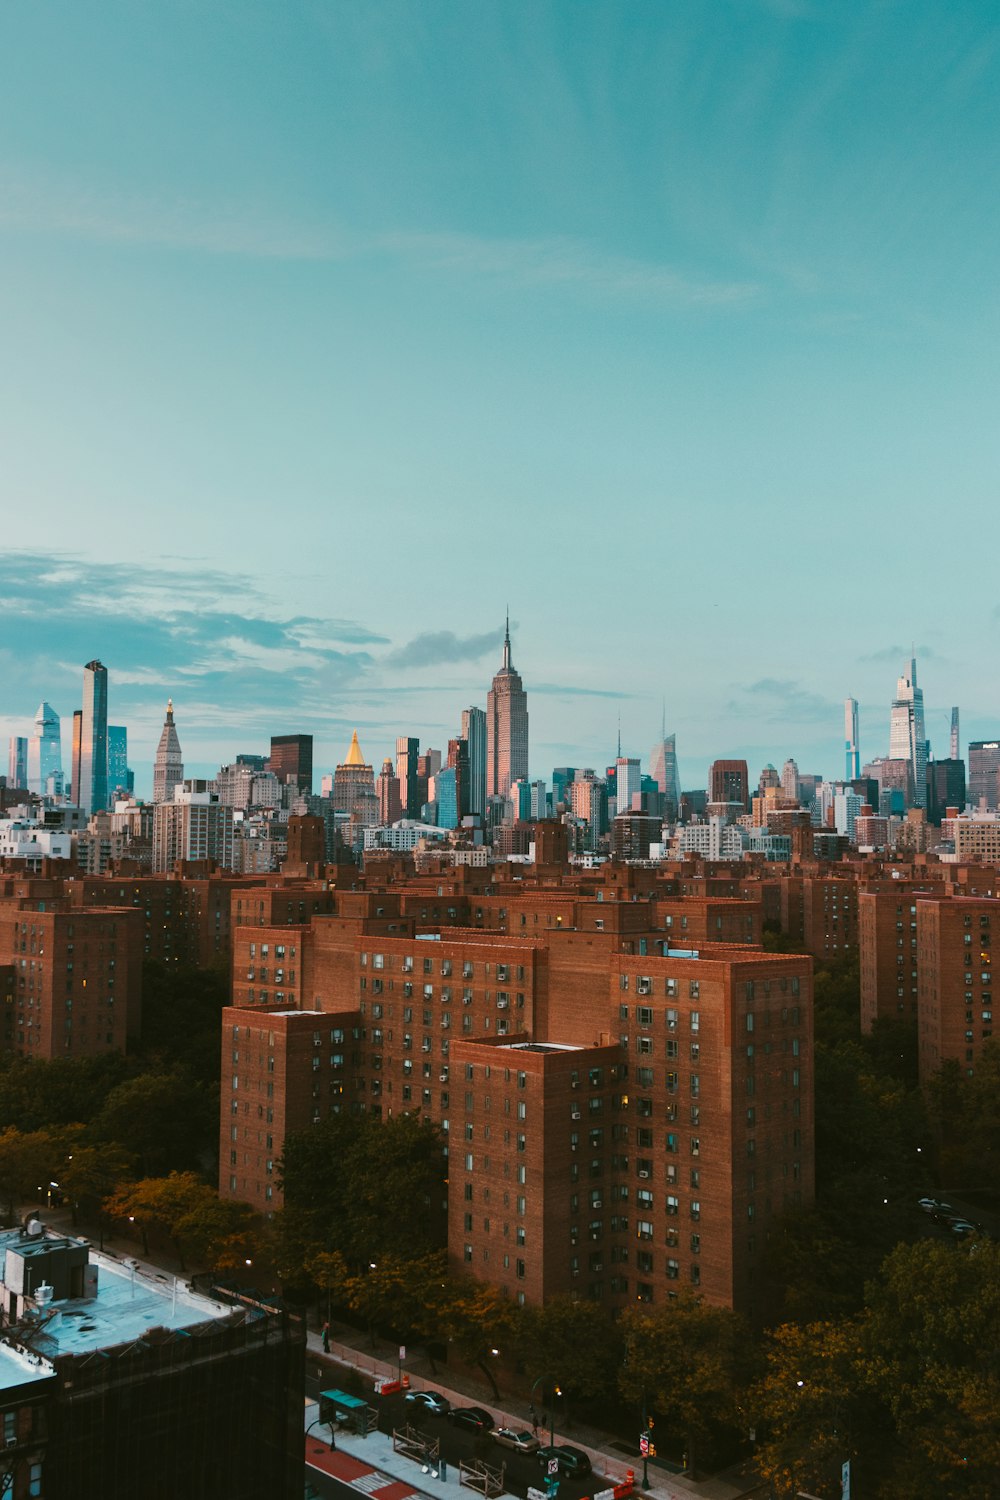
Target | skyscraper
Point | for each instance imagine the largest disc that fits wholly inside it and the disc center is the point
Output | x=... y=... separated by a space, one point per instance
x=407 y=774
x=628 y=782
x=906 y=731
x=851 y=748
x=474 y=732
x=118 y=772
x=955 y=753
x=728 y=782
x=663 y=769
x=168 y=763
x=44 y=749
x=292 y=760
x=354 y=782
x=74 y=788
x=17 y=761
x=93 y=793
x=506 y=728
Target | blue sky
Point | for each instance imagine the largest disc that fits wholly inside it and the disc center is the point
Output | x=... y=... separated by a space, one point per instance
x=327 y=329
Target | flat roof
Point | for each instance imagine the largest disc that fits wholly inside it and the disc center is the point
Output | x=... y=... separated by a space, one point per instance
x=128 y=1304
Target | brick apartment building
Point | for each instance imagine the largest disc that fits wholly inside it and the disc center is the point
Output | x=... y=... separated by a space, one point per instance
x=75 y=986
x=955 y=979
x=621 y=1115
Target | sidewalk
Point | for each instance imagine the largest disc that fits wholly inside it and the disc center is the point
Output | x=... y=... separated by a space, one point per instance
x=464 y=1390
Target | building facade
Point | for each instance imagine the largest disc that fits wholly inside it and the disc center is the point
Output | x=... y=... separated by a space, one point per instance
x=506 y=728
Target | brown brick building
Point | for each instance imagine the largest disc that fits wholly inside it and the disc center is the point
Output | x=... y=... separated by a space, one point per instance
x=955 y=979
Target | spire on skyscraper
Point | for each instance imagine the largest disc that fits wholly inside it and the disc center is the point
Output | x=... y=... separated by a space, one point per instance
x=168 y=764
x=506 y=643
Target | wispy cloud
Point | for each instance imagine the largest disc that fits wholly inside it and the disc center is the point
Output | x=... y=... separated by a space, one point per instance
x=567 y=263
x=254 y=231
x=571 y=690
x=435 y=648
x=781 y=700
x=900 y=654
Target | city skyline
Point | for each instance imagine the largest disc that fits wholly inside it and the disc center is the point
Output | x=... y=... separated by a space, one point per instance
x=315 y=298
x=649 y=757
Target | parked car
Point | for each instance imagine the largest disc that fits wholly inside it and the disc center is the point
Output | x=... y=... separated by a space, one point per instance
x=962 y=1227
x=573 y=1464
x=472 y=1417
x=520 y=1441
x=929 y=1205
x=431 y=1401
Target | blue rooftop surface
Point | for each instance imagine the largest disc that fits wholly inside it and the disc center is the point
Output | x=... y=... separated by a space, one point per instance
x=129 y=1302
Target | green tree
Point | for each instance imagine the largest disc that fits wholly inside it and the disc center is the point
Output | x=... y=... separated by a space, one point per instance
x=389 y=1292
x=165 y=1118
x=219 y=1232
x=366 y=1188
x=686 y=1361
x=932 y=1339
x=30 y=1160
x=91 y=1173
x=577 y=1343
x=474 y=1318
x=181 y=1018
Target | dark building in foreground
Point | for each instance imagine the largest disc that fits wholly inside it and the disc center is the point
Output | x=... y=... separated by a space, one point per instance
x=116 y=1385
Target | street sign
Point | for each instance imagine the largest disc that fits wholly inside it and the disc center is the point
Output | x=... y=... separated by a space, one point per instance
x=644 y=1445
x=552 y=1467
x=402 y=1351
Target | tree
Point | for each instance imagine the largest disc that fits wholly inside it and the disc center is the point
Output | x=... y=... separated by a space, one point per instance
x=577 y=1343
x=931 y=1339
x=158 y=1203
x=389 y=1292
x=165 y=1118
x=31 y=1160
x=367 y=1188
x=811 y=1405
x=685 y=1360
x=90 y=1175
x=475 y=1319
x=181 y=1018
x=219 y=1232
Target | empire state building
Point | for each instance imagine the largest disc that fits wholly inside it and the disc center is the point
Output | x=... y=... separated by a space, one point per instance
x=506 y=728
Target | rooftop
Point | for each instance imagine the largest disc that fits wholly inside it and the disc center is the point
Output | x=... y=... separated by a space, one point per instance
x=129 y=1302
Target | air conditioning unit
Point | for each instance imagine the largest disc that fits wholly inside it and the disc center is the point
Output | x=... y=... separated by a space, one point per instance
x=575 y=1114
x=643 y=1174
x=444 y=1078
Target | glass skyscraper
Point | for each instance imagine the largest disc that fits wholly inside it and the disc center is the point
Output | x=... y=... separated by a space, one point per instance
x=906 y=731
x=93 y=789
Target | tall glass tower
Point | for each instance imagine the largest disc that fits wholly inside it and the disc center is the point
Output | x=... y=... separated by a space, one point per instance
x=852 y=752
x=93 y=793
x=44 y=749
x=906 y=731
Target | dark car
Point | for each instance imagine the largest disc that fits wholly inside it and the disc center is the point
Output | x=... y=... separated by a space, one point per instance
x=573 y=1464
x=472 y=1417
x=431 y=1401
x=509 y=1437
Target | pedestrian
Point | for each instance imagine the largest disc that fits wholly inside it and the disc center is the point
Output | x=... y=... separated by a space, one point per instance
x=326 y=1338
x=534 y=1421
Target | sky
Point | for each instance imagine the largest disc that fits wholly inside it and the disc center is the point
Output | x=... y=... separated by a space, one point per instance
x=331 y=330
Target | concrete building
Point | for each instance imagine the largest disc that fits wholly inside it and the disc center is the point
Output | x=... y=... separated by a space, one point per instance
x=194 y=826
x=353 y=780
x=984 y=774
